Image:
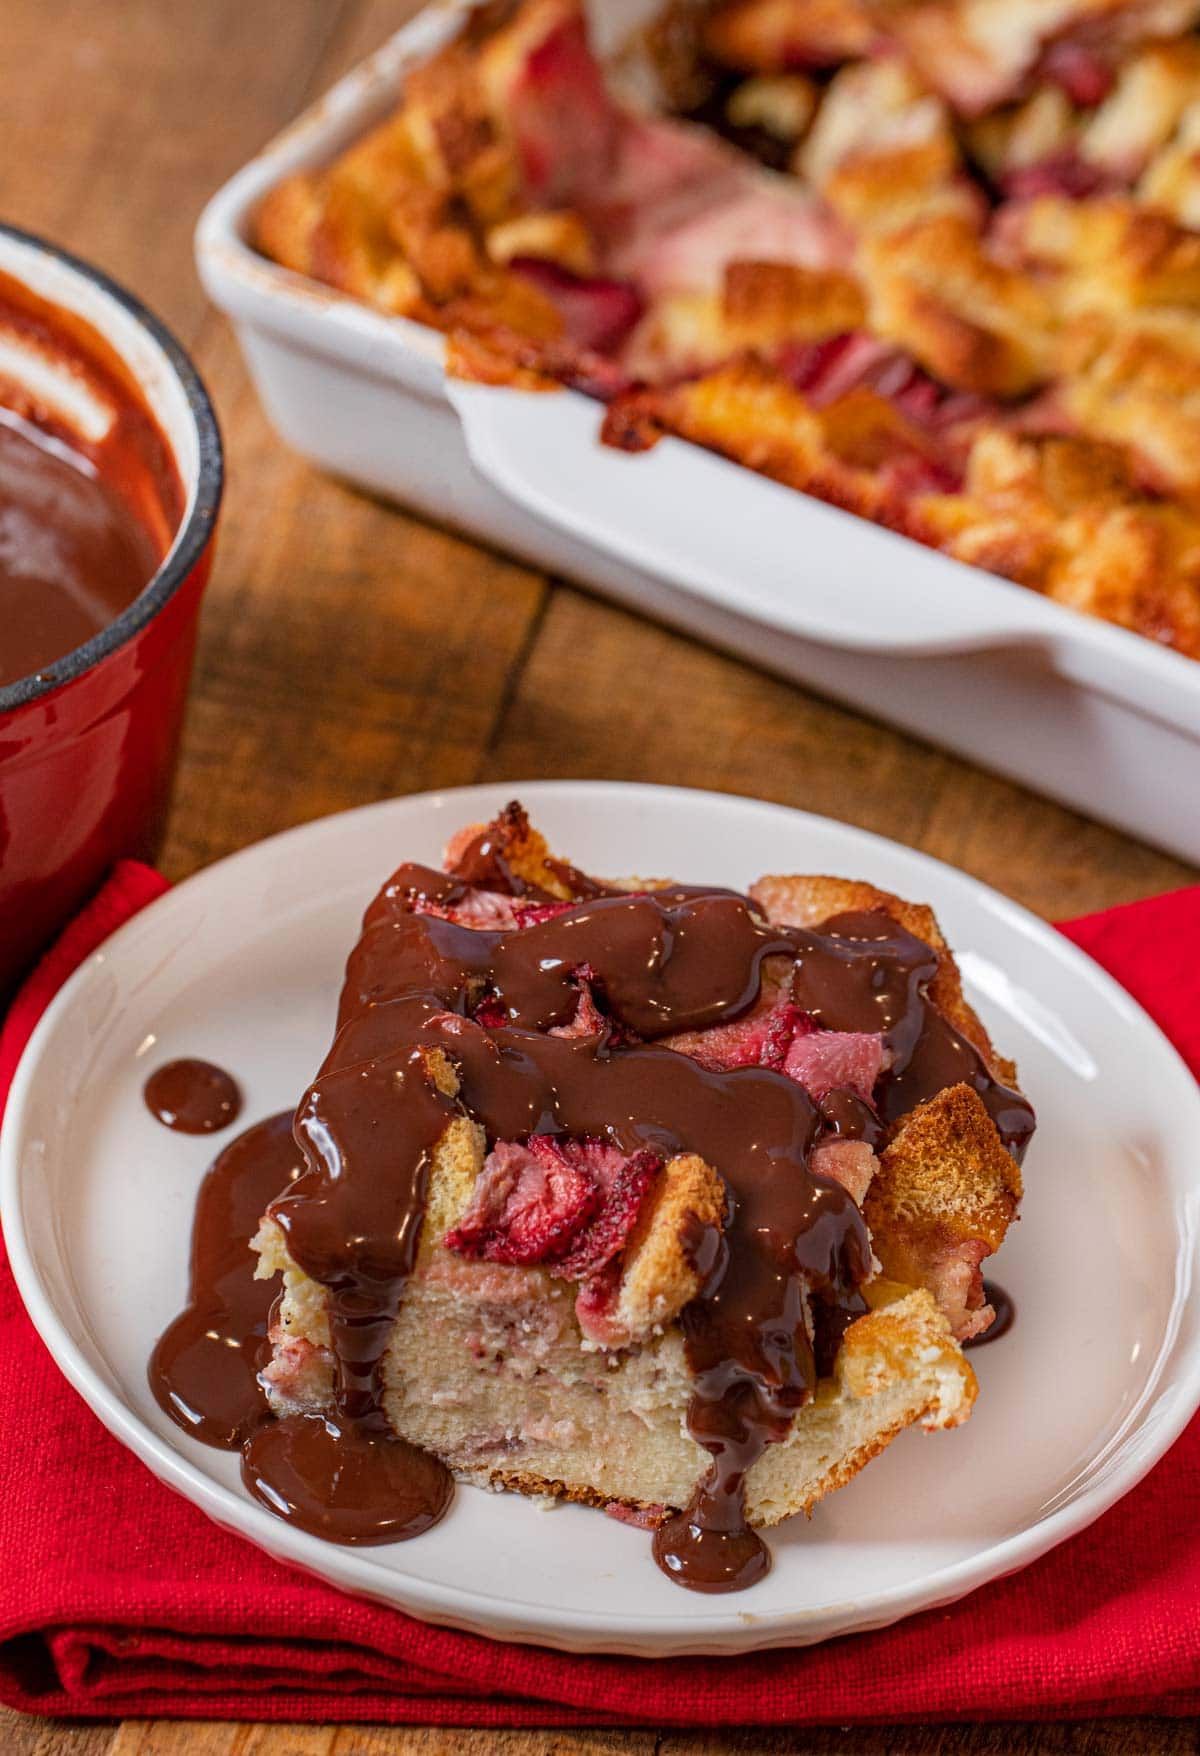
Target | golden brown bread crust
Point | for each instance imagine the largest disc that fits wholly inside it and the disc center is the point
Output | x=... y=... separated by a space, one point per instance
x=809 y=901
x=942 y=1200
x=979 y=57
x=768 y=302
x=524 y=850
x=972 y=322
x=286 y=219
x=517 y=1481
x=762 y=307
x=945 y=1163
x=1069 y=519
x=1138 y=134
x=746 y=412
x=882 y=151
x=657 y=1276
x=946 y=1190
x=879 y=191
x=1105 y=254
x=761 y=36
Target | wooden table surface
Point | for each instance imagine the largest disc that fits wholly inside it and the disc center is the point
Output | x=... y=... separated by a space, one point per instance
x=349 y=653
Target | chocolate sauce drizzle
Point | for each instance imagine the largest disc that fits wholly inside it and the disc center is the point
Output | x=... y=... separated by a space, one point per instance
x=410 y=1057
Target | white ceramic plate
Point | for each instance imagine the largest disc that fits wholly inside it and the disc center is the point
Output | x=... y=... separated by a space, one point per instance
x=242 y=964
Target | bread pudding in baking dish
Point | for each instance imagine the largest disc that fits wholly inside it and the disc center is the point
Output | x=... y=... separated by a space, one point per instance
x=930 y=260
x=650 y=1195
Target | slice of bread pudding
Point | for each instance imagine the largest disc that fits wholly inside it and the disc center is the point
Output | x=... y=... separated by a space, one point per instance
x=611 y=1194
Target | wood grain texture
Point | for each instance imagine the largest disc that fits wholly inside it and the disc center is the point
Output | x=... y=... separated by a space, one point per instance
x=176 y=1738
x=346 y=653
x=349 y=652
x=120 y=120
x=22 y=1736
x=1118 y=1737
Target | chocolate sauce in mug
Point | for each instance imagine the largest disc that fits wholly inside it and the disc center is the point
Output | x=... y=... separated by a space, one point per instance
x=192 y=1097
x=672 y=960
x=72 y=554
x=85 y=522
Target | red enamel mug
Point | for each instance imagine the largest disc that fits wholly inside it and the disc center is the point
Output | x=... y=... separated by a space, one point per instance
x=88 y=744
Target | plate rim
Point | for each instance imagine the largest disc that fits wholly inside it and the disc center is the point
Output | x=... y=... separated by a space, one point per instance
x=1172 y=1399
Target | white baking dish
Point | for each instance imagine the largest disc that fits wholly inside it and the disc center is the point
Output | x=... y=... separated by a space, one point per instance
x=1086 y=712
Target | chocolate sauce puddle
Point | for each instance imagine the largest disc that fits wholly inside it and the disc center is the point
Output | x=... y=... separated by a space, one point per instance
x=409 y=1058
x=350 y=1482
x=204 y=1371
x=192 y=1097
x=343 y=1481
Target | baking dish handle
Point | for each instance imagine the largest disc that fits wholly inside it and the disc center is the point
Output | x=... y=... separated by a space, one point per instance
x=683 y=515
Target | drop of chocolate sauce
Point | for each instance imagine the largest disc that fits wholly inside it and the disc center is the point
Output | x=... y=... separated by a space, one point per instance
x=192 y=1097
x=345 y=1481
x=1005 y=1307
x=707 y=1559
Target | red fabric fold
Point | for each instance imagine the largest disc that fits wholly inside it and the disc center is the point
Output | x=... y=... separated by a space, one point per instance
x=118 y=1598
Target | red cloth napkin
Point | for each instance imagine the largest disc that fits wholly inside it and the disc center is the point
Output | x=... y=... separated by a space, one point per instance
x=118 y=1598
